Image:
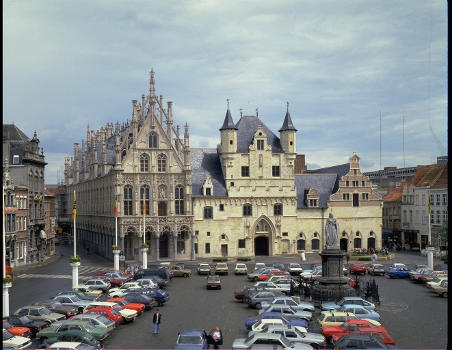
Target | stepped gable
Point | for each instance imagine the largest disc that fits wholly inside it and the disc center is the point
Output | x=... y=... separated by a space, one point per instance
x=322 y=183
x=247 y=126
x=206 y=162
x=339 y=170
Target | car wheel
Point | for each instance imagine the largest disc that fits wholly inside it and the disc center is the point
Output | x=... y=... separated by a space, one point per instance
x=42 y=340
x=445 y=295
x=315 y=346
x=258 y=306
x=80 y=310
x=185 y=274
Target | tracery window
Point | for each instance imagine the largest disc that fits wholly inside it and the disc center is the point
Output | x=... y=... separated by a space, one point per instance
x=179 y=198
x=144 y=163
x=161 y=163
x=128 y=200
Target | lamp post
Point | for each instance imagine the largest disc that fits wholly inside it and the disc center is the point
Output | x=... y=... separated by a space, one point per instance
x=74 y=262
x=6 y=282
x=116 y=249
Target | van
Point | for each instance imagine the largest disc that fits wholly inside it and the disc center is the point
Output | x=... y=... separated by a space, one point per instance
x=160 y=272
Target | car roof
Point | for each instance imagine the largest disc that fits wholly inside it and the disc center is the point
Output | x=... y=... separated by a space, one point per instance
x=353 y=298
x=338 y=313
x=102 y=303
x=65 y=344
x=192 y=331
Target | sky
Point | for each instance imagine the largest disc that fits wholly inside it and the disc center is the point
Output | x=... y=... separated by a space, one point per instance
x=339 y=64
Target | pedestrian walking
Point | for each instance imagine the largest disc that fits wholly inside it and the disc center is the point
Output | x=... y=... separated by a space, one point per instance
x=217 y=338
x=307 y=291
x=156 y=319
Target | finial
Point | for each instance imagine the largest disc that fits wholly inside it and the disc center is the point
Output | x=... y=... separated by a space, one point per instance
x=257 y=112
x=228 y=102
x=287 y=106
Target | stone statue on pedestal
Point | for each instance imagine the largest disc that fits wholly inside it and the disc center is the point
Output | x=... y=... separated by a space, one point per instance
x=331 y=229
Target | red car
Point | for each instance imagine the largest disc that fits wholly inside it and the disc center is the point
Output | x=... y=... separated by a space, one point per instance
x=357 y=268
x=129 y=276
x=139 y=308
x=351 y=282
x=112 y=314
x=267 y=273
x=333 y=333
x=20 y=331
x=116 y=280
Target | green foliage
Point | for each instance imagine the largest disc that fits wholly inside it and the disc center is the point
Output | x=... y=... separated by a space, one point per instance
x=219 y=259
x=144 y=245
x=244 y=258
x=74 y=259
x=8 y=279
x=364 y=258
x=115 y=247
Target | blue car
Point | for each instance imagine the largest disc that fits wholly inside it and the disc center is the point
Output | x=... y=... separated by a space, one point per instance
x=398 y=272
x=293 y=321
x=361 y=312
x=159 y=295
x=192 y=339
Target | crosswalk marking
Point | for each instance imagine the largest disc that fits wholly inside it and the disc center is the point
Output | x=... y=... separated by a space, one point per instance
x=84 y=272
x=37 y=275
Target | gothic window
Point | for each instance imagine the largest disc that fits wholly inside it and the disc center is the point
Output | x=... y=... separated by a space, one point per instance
x=315 y=243
x=301 y=244
x=124 y=152
x=153 y=140
x=357 y=243
x=144 y=198
x=144 y=163
x=179 y=196
x=278 y=209
x=128 y=200
x=247 y=210
x=161 y=163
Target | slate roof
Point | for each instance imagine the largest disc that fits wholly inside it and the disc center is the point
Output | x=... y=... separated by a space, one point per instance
x=322 y=183
x=206 y=162
x=287 y=125
x=228 y=122
x=339 y=170
x=247 y=126
x=14 y=133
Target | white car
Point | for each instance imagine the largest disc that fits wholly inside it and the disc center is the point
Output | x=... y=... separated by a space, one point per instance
x=295 y=269
x=70 y=345
x=437 y=281
x=128 y=314
x=262 y=324
x=240 y=269
x=203 y=269
x=15 y=341
x=259 y=266
x=273 y=286
x=120 y=292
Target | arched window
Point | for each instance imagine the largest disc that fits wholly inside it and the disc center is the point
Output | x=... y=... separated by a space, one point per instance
x=128 y=200
x=301 y=244
x=179 y=197
x=247 y=210
x=181 y=237
x=371 y=243
x=144 y=198
x=161 y=163
x=315 y=243
x=153 y=140
x=357 y=243
x=144 y=162
x=124 y=152
x=278 y=209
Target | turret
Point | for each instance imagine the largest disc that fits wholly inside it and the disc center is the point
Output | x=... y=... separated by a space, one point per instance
x=228 y=134
x=117 y=148
x=288 y=134
x=76 y=164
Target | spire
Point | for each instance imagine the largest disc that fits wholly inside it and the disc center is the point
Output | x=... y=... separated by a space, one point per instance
x=287 y=125
x=228 y=122
x=152 y=83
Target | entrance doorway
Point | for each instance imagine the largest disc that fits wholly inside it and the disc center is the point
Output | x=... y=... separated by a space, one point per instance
x=164 y=245
x=371 y=243
x=344 y=244
x=261 y=246
x=224 y=250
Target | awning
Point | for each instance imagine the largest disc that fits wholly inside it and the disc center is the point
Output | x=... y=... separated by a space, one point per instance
x=43 y=234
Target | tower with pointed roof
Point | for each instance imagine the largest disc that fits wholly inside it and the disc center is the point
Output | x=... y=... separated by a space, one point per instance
x=288 y=134
x=228 y=134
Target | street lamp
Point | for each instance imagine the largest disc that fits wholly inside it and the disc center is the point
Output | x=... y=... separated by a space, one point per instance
x=75 y=260
x=6 y=281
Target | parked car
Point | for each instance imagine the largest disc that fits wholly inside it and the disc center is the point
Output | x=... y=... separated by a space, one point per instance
x=71 y=346
x=441 y=289
x=159 y=296
x=272 y=286
x=294 y=334
x=288 y=311
x=221 y=269
x=98 y=320
x=262 y=324
x=17 y=330
x=255 y=300
x=124 y=289
x=192 y=339
x=56 y=306
x=127 y=314
x=15 y=341
x=240 y=293
x=357 y=268
x=279 y=266
x=153 y=282
x=431 y=275
x=138 y=307
x=327 y=318
x=26 y=322
x=360 y=341
x=332 y=333
x=360 y=312
x=72 y=300
x=39 y=313
x=253 y=276
x=376 y=269
x=240 y=269
x=295 y=269
x=418 y=274
x=87 y=291
x=258 y=266
x=398 y=272
x=331 y=306
x=180 y=271
x=267 y=273
x=159 y=271
x=111 y=313
x=213 y=282
x=116 y=279
x=293 y=321
x=87 y=326
x=73 y=335
x=144 y=299
x=268 y=338
x=82 y=295
x=98 y=284
x=436 y=281
x=203 y=269
x=288 y=300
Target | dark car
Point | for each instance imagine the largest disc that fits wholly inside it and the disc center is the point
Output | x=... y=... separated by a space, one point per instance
x=144 y=273
x=158 y=295
x=361 y=341
x=279 y=266
x=255 y=300
x=141 y=299
x=81 y=295
x=241 y=293
x=25 y=321
x=56 y=306
x=73 y=335
x=213 y=282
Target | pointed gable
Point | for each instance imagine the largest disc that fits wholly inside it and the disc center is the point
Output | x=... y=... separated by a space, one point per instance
x=247 y=127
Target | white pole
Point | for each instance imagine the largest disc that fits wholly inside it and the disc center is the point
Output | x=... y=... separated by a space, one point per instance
x=75 y=238
x=4 y=234
x=116 y=230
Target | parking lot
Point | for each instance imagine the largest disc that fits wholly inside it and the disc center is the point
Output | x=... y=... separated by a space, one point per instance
x=414 y=317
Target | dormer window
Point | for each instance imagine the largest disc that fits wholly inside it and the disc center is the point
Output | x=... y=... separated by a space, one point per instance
x=311 y=198
x=207 y=187
x=260 y=145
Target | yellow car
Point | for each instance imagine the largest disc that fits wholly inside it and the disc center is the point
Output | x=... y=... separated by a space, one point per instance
x=87 y=290
x=441 y=289
x=337 y=318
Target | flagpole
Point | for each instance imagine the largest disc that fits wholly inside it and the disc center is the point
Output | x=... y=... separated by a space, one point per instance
x=116 y=222
x=74 y=216
x=4 y=234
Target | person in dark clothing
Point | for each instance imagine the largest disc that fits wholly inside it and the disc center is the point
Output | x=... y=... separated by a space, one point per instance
x=307 y=291
x=156 y=319
x=217 y=338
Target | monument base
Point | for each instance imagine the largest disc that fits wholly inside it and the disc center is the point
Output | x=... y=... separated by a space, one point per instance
x=332 y=285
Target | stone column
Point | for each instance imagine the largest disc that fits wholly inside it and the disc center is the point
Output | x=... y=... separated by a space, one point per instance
x=144 y=251
x=430 y=257
x=6 y=287
x=175 y=246
x=193 y=254
x=75 y=274
x=157 y=253
x=116 y=259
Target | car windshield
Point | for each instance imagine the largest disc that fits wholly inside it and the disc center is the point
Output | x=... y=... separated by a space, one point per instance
x=44 y=311
x=82 y=346
x=295 y=265
x=24 y=319
x=89 y=326
x=189 y=339
x=203 y=266
x=241 y=266
x=7 y=335
x=103 y=319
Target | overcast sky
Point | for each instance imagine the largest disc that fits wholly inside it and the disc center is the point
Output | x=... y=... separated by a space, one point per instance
x=338 y=63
